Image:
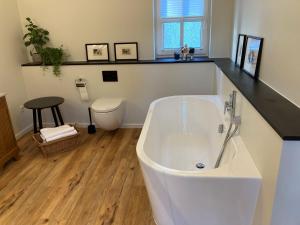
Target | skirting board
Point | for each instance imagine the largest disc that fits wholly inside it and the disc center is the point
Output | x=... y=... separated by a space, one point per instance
x=132 y=125
x=84 y=125
x=21 y=133
x=29 y=128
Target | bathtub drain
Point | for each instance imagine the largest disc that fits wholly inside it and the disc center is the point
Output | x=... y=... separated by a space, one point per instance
x=200 y=165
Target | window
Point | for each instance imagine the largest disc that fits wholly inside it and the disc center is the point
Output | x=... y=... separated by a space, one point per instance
x=180 y=22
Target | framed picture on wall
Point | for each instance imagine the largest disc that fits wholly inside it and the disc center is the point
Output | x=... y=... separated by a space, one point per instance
x=126 y=51
x=253 y=54
x=97 y=52
x=240 y=50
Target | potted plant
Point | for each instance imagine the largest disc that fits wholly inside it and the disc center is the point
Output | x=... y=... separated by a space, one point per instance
x=39 y=38
x=36 y=37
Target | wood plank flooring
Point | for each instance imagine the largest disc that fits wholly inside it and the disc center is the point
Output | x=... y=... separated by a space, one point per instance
x=98 y=183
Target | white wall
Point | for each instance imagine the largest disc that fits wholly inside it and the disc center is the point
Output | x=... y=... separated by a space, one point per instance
x=264 y=145
x=12 y=54
x=80 y=22
x=76 y=23
x=277 y=22
x=139 y=85
x=221 y=28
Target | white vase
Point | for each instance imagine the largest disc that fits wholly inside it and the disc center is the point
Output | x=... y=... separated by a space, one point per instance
x=36 y=58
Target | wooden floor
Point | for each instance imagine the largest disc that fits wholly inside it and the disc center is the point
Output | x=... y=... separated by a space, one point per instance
x=99 y=182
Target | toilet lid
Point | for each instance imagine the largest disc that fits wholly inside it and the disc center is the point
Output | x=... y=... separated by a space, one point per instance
x=103 y=105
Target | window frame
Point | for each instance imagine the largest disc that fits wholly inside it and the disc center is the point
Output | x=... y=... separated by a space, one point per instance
x=205 y=20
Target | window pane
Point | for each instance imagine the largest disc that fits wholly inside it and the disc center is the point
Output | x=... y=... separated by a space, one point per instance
x=171 y=35
x=181 y=8
x=193 y=34
x=193 y=8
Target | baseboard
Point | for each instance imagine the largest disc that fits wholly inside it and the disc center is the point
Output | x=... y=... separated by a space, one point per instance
x=132 y=125
x=29 y=128
x=84 y=125
x=80 y=125
x=24 y=131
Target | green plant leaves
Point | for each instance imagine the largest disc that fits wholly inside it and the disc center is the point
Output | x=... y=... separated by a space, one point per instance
x=54 y=57
x=38 y=38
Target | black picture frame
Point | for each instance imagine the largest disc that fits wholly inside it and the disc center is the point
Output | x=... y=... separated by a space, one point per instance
x=95 y=58
x=240 y=50
x=253 y=54
x=130 y=46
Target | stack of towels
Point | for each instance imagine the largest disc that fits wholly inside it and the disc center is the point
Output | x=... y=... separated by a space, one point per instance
x=52 y=134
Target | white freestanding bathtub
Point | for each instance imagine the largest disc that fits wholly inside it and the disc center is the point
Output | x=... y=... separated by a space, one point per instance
x=178 y=133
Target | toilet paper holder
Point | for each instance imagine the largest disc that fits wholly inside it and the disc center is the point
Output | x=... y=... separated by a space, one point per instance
x=80 y=83
x=83 y=92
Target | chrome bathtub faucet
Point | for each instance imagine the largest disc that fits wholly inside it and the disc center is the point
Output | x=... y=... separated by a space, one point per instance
x=230 y=106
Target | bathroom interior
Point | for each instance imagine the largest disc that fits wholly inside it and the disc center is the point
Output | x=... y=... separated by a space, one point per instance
x=144 y=112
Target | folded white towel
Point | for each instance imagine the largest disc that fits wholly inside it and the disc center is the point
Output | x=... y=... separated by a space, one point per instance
x=67 y=134
x=55 y=131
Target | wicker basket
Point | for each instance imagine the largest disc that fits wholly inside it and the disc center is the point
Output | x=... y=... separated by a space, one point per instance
x=59 y=145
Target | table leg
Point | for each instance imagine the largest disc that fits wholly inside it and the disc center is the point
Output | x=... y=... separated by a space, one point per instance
x=40 y=119
x=59 y=115
x=34 y=121
x=54 y=116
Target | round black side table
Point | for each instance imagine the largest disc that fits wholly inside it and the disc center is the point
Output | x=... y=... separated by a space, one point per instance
x=43 y=103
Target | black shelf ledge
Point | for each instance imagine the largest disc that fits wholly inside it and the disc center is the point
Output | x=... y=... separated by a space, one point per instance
x=156 y=61
x=280 y=113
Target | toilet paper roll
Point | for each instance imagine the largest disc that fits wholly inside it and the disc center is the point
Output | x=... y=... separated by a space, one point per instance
x=83 y=94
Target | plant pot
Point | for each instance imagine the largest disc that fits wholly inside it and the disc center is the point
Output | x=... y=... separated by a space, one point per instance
x=36 y=58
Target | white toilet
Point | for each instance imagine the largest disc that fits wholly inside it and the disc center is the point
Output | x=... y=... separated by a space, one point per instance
x=108 y=113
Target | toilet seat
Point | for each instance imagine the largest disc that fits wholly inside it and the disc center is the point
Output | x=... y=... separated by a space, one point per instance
x=105 y=105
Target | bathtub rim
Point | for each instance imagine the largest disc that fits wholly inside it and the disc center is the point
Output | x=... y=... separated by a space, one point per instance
x=240 y=160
